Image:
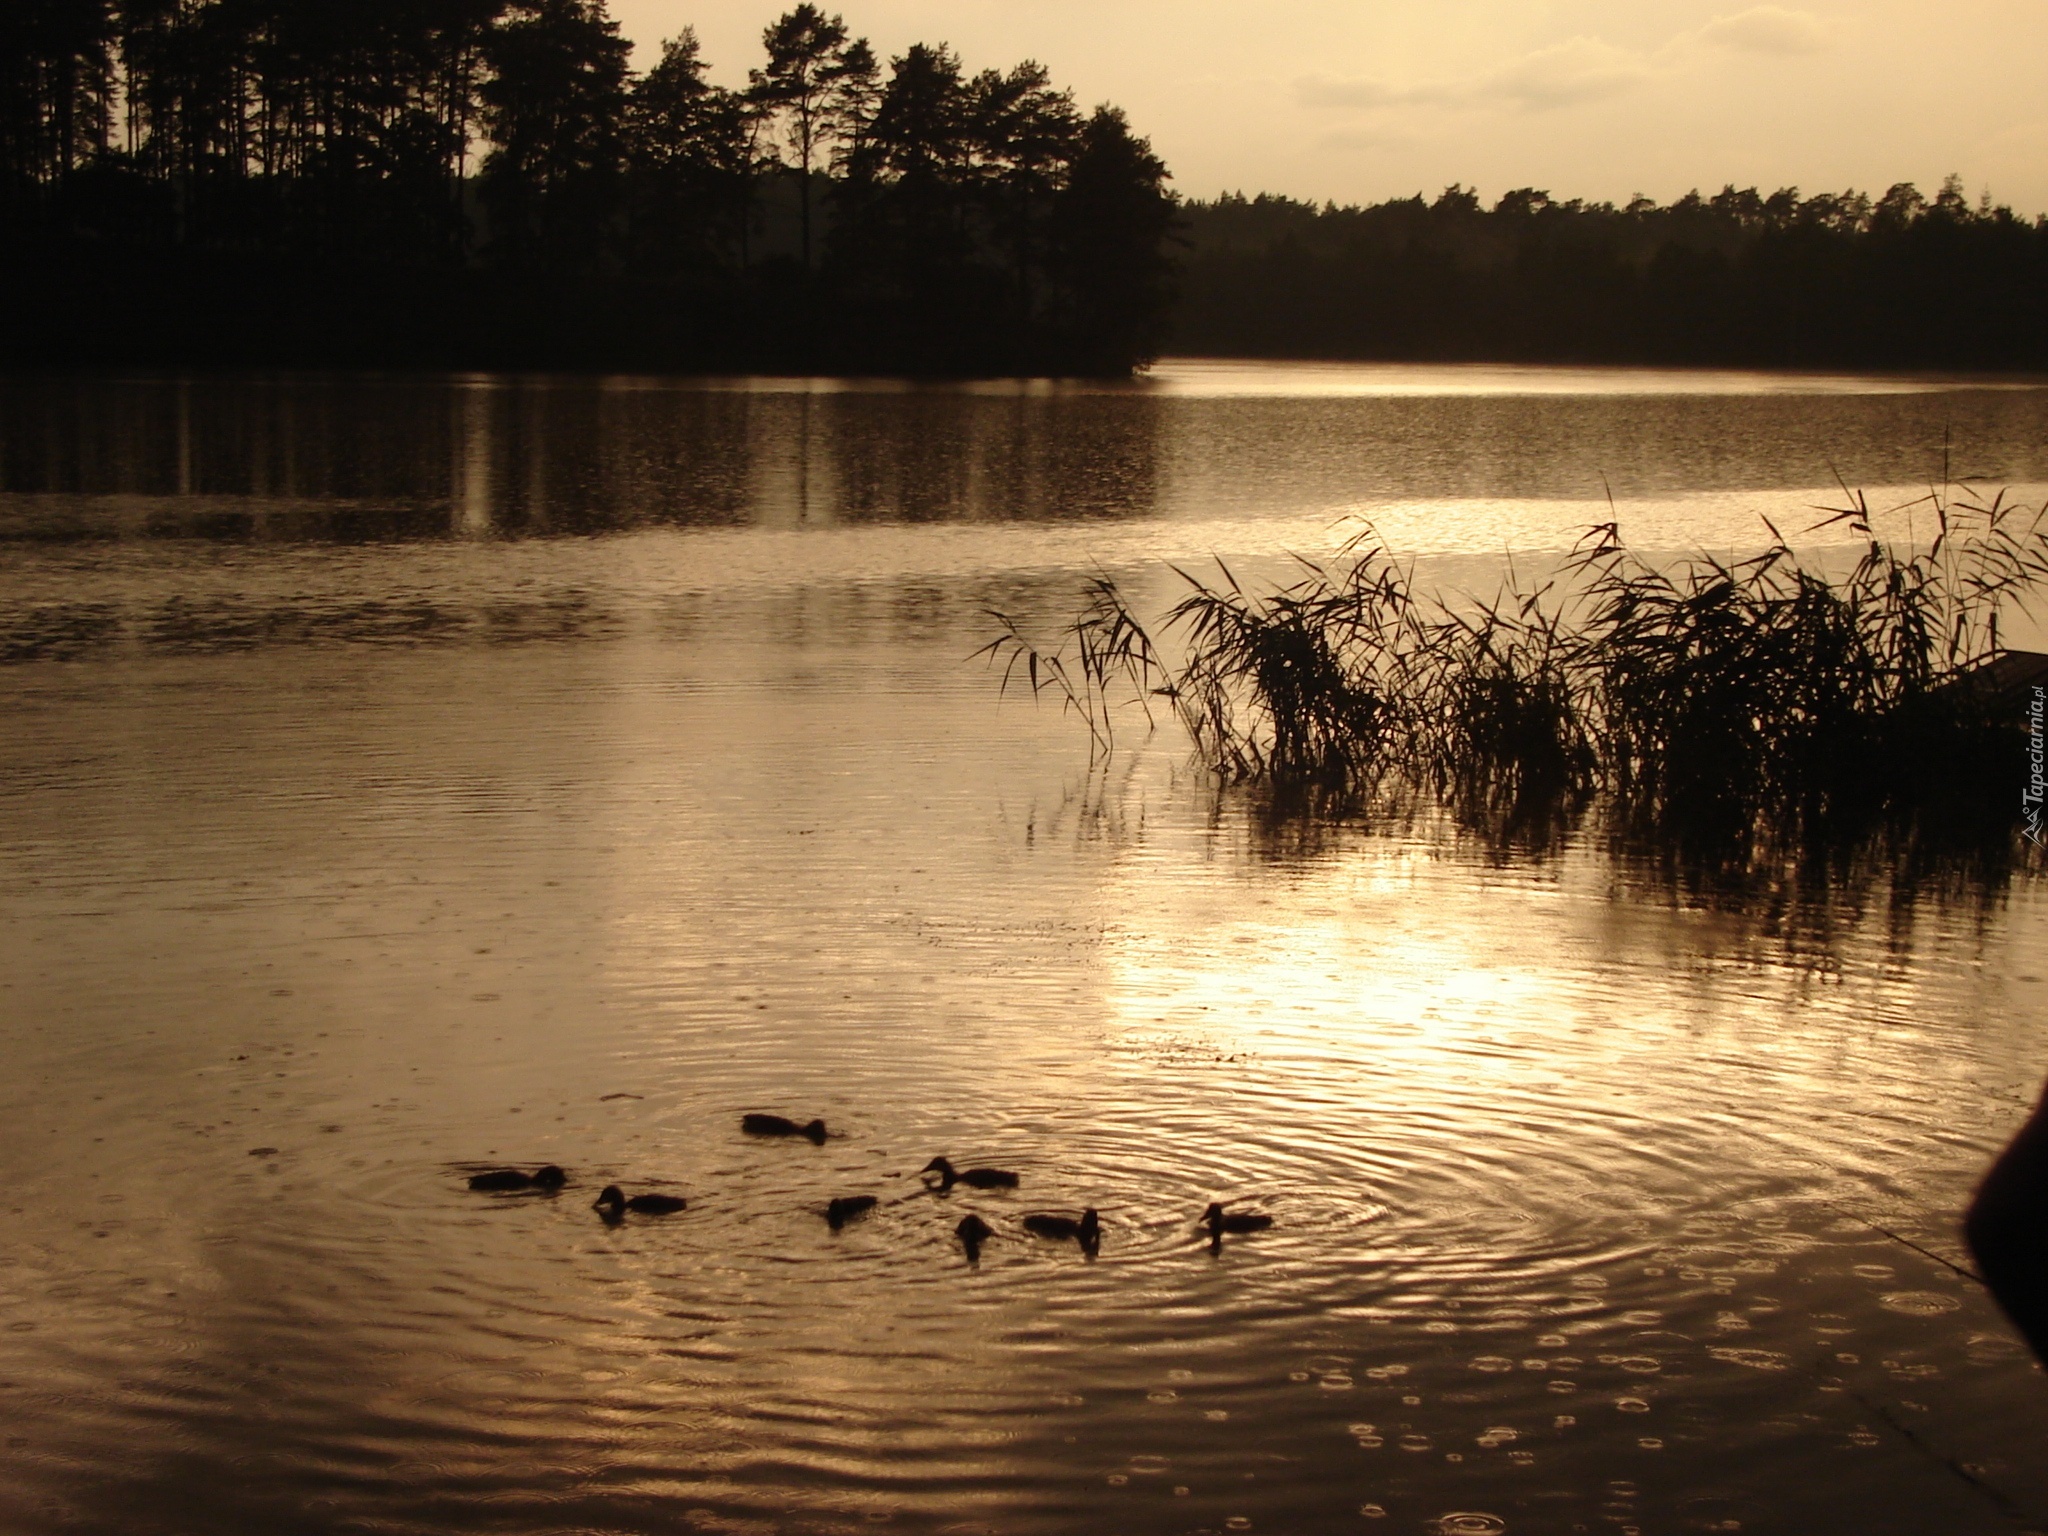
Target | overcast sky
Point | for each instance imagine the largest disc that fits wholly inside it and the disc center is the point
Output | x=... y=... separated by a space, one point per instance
x=1360 y=100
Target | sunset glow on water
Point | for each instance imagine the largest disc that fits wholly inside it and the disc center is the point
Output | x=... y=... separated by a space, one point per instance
x=415 y=785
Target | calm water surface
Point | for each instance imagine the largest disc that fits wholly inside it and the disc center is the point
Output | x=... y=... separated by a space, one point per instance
x=403 y=776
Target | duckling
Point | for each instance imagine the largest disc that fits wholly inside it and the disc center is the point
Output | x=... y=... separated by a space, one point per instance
x=839 y=1211
x=1218 y=1221
x=1088 y=1229
x=776 y=1125
x=973 y=1232
x=973 y=1178
x=549 y=1178
x=613 y=1204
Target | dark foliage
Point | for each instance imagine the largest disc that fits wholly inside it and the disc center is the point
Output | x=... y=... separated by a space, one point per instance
x=554 y=109
x=1736 y=278
x=291 y=181
x=689 y=166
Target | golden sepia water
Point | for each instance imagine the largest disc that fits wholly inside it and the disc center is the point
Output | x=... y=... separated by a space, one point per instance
x=408 y=776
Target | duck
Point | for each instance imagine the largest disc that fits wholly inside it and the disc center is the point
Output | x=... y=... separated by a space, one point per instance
x=1088 y=1230
x=973 y=1232
x=973 y=1178
x=613 y=1204
x=549 y=1178
x=1220 y=1221
x=777 y=1125
x=842 y=1209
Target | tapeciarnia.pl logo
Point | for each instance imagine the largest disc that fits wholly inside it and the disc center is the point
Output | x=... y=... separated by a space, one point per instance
x=2030 y=798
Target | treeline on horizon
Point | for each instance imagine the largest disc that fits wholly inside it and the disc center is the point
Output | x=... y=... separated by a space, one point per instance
x=489 y=183
x=1740 y=277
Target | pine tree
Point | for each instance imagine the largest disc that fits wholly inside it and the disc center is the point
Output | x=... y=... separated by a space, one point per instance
x=813 y=76
x=554 y=107
x=1110 y=226
x=690 y=152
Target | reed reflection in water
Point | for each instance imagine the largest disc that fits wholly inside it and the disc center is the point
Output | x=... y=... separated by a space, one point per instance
x=1594 y=1206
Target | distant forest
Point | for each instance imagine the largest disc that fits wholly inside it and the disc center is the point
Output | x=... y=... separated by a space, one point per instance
x=1835 y=280
x=488 y=183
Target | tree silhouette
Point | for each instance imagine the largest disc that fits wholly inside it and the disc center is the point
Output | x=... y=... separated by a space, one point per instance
x=857 y=95
x=690 y=153
x=56 y=84
x=1834 y=279
x=918 y=150
x=294 y=181
x=812 y=75
x=903 y=239
x=554 y=107
x=1110 y=224
x=1025 y=136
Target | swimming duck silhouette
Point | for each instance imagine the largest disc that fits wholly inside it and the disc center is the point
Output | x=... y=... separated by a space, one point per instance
x=1220 y=1221
x=973 y=1178
x=613 y=1204
x=1088 y=1230
x=844 y=1208
x=549 y=1178
x=973 y=1232
x=776 y=1125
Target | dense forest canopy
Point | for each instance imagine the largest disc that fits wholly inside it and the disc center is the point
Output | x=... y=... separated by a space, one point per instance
x=490 y=182
x=1837 y=279
x=486 y=180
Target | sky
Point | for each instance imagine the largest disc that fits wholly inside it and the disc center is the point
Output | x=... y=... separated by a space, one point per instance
x=1361 y=100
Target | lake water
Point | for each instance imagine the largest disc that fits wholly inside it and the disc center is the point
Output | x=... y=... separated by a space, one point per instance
x=403 y=776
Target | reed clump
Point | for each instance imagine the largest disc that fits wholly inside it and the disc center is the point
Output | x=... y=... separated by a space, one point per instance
x=1749 y=706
